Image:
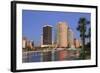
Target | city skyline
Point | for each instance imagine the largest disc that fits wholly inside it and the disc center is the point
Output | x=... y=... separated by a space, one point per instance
x=33 y=22
x=64 y=37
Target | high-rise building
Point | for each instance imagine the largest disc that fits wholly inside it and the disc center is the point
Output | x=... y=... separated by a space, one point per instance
x=47 y=35
x=62 y=31
x=70 y=38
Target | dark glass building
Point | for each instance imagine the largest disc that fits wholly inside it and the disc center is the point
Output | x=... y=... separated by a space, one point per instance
x=47 y=35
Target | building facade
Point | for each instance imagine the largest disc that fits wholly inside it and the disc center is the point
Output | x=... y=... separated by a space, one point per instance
x=77 y=43
x=27 y=44
x=70 y=38
x=62 y=31
x=24 y=42
x=47 y=35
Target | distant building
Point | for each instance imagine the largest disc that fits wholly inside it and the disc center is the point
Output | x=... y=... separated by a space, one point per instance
x=30 y=45
x=47 y=35
x=62 y=31
x=27 y=44
x=41 y=40
x=77 y=43
x=70 y=38
x=24 y=42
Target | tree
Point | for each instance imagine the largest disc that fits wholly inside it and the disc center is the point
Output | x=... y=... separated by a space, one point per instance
x=82 y=28
x=89 y=34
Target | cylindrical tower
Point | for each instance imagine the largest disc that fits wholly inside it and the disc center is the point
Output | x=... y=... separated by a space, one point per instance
x=62 y=28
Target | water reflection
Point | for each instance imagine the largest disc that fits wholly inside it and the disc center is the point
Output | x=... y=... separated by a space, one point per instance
x=50 y=55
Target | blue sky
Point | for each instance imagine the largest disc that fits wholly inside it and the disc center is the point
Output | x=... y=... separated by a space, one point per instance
x=33 y=21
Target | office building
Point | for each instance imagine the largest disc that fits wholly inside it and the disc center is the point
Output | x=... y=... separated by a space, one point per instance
x=47 y=35
x=62 y=31
x=70 y=38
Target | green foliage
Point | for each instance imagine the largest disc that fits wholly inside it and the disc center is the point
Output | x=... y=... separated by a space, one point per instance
x=82 y=28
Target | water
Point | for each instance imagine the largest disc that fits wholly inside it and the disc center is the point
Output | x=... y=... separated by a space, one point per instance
x=50 y=55
x=32 y=57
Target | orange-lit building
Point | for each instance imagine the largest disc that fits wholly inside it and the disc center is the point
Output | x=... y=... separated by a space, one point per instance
x=76 y=43
x=62 y=29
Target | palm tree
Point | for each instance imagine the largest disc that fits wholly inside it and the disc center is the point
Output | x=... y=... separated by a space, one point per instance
x=82 y=29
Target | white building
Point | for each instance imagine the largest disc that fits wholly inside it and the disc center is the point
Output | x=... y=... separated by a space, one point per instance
x=70 y=38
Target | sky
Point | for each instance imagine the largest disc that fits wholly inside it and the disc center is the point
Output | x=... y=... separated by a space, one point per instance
x=33 y=22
